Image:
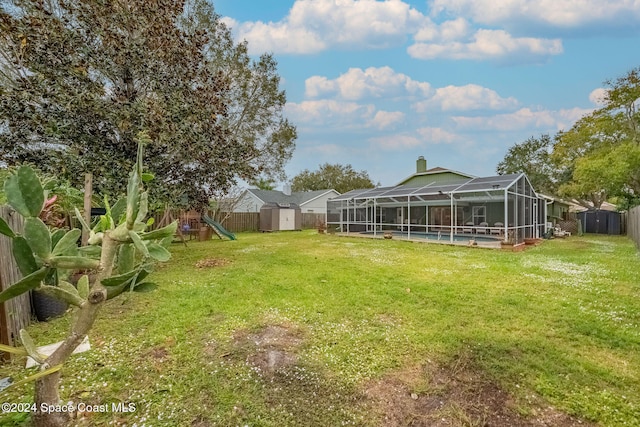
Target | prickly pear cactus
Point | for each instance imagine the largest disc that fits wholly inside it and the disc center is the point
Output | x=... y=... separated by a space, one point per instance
x=39 y=251
x=119 y=257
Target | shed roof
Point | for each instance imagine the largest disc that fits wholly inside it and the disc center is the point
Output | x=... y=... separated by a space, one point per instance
x=297 y=197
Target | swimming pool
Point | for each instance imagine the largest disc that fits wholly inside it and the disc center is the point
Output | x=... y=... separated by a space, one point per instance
x=442 y=237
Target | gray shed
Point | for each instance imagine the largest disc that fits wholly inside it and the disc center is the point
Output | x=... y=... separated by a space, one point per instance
x=280 y=217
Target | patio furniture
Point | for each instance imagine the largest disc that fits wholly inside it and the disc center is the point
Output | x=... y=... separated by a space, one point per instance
x=497 y=228
x=468 y=227
x=559 y=232
x=482 y=228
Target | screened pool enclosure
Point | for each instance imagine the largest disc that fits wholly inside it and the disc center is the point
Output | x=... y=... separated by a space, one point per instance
x=500 y=208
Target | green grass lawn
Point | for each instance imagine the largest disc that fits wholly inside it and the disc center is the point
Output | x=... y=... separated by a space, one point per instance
x=304 y=329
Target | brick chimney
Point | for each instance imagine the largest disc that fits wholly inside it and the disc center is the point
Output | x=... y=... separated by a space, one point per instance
x=421 y=165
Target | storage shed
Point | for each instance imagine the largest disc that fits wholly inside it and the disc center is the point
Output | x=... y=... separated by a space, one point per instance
x=280 y=217
x=601 y=222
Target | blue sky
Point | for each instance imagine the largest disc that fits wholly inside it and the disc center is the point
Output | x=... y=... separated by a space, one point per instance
x=376 y=84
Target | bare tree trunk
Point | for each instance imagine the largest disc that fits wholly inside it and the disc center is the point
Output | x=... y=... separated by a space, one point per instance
x=47 y=396
x=88 y=189
x=46 y=391
x=46 y=388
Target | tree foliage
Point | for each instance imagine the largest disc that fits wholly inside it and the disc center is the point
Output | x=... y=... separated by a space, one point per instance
x=532 y=158
x=341 y=178
x=597 y=159
x=253 y=98
x=600 y=154
x=263 y=184
x=81 y=78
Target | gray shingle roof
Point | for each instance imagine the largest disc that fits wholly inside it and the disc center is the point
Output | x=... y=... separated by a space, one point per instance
x=276 y=196
x=482 y=184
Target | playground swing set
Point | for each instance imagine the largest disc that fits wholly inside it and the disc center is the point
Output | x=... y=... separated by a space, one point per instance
x=193 y=224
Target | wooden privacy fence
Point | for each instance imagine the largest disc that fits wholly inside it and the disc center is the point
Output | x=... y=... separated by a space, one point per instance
x=241 y=221
x=238 y=221
x=250 y=221
x=311 y=220
x=15 y=314
x=633 y=225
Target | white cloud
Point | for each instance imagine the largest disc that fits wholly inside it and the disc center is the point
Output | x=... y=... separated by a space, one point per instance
x=384 y=83
x=386 y=119
x=488 y=44
x=394 y=142
x=468 y=97
x=312 y=26
x=555 y=13
x=325 y=149
x=524 y=118
x=420 y=138
x=598 y=97
x=437 y=135
x=280 y=37
x=373 y=82
x=449 y=30
x=327 y=110
x=316 y=86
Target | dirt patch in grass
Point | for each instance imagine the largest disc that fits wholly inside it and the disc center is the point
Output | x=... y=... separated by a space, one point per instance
x=454 y=395
x=271 y=348
x=200 y=422
x=212 y=263
x=296 y=392
x=159 y=354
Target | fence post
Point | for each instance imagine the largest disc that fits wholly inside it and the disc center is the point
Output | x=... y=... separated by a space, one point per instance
x=88 y=188
x=633 y=225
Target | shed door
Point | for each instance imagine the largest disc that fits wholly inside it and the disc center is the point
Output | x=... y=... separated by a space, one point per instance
x=287 y=219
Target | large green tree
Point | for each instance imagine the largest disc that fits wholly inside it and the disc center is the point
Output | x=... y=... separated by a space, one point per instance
x=255 y=103
x=81 y=78
x=600 y=154
x=263 y=184
x=341 y=178
x=532 y=158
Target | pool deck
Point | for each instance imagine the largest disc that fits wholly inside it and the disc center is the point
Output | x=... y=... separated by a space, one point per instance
x=444 y=241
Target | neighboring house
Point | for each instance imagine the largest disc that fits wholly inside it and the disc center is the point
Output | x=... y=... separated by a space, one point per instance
x=445 y=202
x=309 y=201
x=557 y=209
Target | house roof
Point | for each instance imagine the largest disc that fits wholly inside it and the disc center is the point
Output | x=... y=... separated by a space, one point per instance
x=471 y=185
x=435 y=171
x=555 y=199
x=297 y=197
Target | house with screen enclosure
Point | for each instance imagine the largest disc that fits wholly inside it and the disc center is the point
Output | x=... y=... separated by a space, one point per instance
x=445 y=205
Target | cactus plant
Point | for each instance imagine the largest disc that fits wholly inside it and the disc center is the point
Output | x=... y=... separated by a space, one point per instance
x=112 y=256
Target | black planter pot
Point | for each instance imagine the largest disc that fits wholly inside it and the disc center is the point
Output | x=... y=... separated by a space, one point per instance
x=47 y=307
